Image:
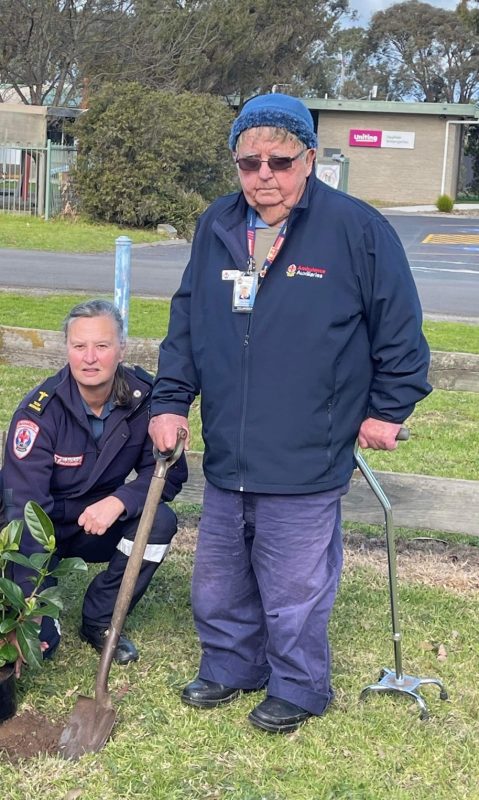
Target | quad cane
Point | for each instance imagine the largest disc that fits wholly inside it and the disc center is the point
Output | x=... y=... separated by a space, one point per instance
x=394 y=681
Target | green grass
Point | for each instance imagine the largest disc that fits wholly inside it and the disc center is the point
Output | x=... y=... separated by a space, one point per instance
x=149 y=318
x=163 y=750
x=66 y=236
x=452 y=337
x=444 y=439
x=444 y=428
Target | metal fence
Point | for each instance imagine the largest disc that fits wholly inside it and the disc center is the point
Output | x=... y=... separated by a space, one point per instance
x=33 y=179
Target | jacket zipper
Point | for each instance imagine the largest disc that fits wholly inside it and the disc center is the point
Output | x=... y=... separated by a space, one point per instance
x=241 y=458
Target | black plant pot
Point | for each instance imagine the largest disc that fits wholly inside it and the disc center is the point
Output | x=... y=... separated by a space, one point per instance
x=8 y=694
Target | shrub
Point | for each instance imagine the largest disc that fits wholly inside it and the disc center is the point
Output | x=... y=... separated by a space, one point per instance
x=445 y=203
x=19 y=615
x=147 y=157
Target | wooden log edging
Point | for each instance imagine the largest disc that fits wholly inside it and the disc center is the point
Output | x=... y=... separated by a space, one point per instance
x=31 y=347
x=418 y=501
x=454 y=371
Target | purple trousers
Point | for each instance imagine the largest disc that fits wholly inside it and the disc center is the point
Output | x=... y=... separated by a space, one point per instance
x=265 y=580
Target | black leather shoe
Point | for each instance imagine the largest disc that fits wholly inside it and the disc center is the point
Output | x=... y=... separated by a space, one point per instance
x=125 y=650
x=278 y=716
x=208 y=694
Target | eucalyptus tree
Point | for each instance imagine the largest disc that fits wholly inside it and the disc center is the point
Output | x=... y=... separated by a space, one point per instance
x=432 y=54
x=232 y=48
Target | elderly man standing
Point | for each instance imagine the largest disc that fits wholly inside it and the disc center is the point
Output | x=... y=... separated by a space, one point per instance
x=298 y=321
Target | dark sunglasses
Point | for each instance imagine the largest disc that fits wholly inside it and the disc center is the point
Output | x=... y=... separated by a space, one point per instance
x=275 y=163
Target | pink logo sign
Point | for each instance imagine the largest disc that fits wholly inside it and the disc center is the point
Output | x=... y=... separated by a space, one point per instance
x=358 y=137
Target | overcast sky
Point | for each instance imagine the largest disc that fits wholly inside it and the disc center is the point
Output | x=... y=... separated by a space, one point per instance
x=367 y=7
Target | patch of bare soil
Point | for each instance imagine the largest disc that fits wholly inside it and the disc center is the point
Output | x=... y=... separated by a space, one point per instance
x=26 y=735
x=463 y=212
x=433 y=562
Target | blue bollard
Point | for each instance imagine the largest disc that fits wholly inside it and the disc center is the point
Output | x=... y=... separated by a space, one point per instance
x=122 y=278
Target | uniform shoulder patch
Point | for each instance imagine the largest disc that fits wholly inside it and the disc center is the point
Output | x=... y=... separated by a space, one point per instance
x=24 y=437
x=43 y=395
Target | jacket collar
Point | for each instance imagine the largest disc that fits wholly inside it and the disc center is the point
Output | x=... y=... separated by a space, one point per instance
x=68 y=393
x=232 y=218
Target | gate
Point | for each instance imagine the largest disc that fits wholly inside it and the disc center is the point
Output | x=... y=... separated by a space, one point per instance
x=32 y=179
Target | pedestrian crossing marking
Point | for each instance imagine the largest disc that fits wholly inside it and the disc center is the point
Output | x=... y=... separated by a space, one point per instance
x=451 y=238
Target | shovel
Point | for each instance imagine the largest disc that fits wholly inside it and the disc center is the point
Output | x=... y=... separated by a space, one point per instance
x=92 y=719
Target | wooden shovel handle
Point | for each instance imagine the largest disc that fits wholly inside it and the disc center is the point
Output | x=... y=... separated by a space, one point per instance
x=130 y=576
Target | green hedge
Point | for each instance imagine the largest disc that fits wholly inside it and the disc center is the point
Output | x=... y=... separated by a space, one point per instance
x=148 y=157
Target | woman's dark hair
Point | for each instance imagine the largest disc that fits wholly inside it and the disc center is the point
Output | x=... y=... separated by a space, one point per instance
x=103 y=308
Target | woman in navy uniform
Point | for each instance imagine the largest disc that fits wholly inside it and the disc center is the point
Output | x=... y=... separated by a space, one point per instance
x=71 y=445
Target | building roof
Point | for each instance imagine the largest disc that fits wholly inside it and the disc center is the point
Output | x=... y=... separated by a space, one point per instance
x=464 y=110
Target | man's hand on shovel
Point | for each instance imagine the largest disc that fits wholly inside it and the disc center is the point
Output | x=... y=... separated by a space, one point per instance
x=163 y=430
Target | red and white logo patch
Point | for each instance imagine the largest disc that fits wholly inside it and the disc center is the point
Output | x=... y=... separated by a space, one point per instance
x=68 y=461
x=25 y=434
x=303 y=271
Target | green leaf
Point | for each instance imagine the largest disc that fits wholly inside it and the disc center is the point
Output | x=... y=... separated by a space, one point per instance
x=31 y=628
x=17 y=558
x=31 y=606
x=69 y=565
x=29 y=645
x=39 y=524
x=38 y=560
x=52 y=593
x=8 y=654
x=8 y=624
x=10 y=535
x=13 y=593
x=47 y=609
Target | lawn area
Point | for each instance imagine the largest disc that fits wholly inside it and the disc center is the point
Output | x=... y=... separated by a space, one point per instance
x=66 y=236
x=163 y=750
x=146 y=318
x=444 y=428
x=149 y=318
x=377 y=750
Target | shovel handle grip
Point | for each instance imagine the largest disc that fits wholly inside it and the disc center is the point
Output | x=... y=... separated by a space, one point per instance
x=170 y=458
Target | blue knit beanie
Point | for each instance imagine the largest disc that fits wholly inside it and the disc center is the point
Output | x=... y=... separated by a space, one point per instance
x=276 y=111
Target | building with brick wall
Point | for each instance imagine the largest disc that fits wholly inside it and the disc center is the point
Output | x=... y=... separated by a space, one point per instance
x=398 y=153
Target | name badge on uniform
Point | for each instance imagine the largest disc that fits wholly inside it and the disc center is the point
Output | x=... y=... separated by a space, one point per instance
x=230 y=274
x=244 y=292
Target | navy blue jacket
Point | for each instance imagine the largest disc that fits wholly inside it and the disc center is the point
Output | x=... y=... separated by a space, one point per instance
x=335 y=337
x=64 y=469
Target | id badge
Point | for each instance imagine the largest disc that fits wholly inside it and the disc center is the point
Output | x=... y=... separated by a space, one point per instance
x=245 y=287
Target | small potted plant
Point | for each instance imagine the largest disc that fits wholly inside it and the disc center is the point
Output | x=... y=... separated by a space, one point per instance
x=19 y=615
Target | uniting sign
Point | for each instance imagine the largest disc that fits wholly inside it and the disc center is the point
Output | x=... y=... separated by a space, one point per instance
x=359 y=137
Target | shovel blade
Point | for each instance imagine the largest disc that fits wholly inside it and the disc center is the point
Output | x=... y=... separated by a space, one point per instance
x=87 y=730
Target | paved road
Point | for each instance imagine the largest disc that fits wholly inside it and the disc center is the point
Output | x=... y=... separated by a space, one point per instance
x=444 y=256
x=443 y=253
x=156 y=270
